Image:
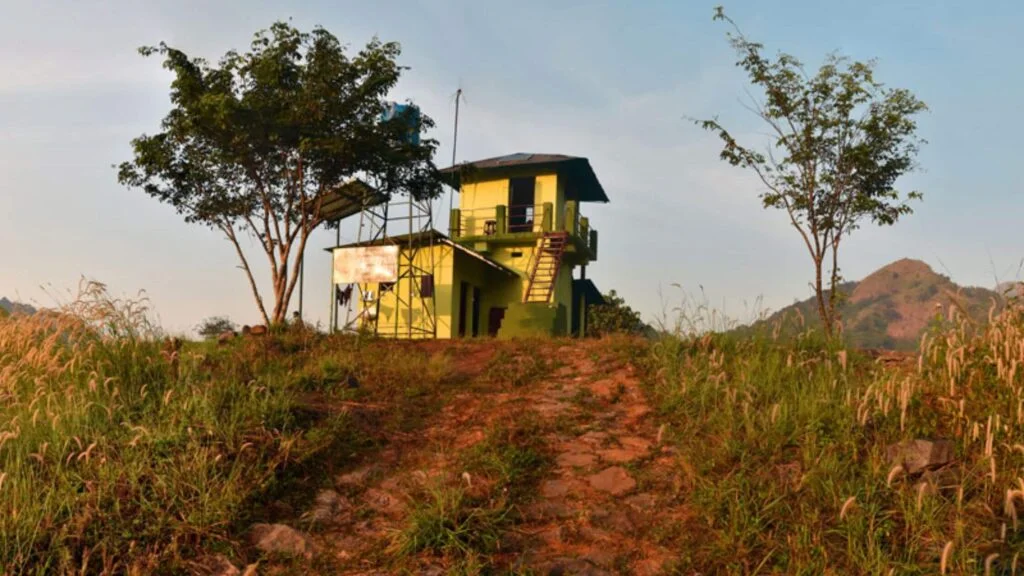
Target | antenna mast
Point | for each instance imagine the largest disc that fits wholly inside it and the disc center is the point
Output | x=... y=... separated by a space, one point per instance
x=455 y=143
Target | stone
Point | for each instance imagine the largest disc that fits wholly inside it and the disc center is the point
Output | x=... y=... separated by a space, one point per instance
x=635 y=443
x=945 y=479
x=615 y=481
x=619 y=455
x=916 y=456
x=573 y=459
x=226 y=336
x=281 y=539
x=327 y=506
x=642 y=501
x=258 y=330
x=354 y=478
x=554 y=488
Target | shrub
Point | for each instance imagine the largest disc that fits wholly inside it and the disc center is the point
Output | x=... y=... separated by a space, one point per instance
x=613 y=317
x=215 y=326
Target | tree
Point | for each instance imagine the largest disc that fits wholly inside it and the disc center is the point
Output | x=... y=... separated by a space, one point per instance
x=215 y=326
x=614 y=317
x=254 y=144
x=838 y=141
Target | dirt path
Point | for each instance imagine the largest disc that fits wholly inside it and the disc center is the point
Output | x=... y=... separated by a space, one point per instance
x=602 y=505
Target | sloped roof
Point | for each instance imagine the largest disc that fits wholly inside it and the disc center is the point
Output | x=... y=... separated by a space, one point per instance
x=586 y=287
x=576 y=168
x=349 y=199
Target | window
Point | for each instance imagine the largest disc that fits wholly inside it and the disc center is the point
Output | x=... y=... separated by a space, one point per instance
x=427 y=286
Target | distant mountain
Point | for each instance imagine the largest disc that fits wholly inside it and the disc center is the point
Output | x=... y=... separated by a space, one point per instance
x=11 y=307
x=892 y=307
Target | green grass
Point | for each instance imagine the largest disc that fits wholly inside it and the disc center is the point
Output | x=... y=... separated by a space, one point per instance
x=463 y=517
x=516 y=363
x=774 y=436
x=119 y=454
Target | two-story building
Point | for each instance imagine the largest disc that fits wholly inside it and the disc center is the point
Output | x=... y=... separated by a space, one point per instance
x=513 y=262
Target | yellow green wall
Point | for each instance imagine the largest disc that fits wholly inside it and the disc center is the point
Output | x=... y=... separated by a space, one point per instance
x=443 y=294
x=477 y=200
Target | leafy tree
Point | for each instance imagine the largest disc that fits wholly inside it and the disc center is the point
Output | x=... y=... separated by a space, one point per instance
x=839 y=140
x=215 y=326
x=256 y=143
x=614 y=317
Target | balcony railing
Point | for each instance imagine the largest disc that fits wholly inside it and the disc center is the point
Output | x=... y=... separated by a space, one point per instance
x=503 y=220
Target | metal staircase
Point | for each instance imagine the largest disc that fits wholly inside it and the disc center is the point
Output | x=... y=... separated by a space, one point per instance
x=547 y=261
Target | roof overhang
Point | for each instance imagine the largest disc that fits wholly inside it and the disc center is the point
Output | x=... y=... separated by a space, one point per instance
x=587 y=288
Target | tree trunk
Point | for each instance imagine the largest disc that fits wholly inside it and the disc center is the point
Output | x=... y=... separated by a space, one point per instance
x=819 y=293
x=834 y=291
x=230 y=232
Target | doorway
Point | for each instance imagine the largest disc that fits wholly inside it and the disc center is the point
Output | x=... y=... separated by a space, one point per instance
x=521 y=200
x=476 y=311
x=494 y=318
x=463 y=298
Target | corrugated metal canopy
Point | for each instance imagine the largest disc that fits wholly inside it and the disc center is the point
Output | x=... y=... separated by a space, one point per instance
x=349 y=198
x=577 y=169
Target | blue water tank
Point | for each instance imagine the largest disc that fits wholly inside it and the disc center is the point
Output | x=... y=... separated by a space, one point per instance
x=394 y=110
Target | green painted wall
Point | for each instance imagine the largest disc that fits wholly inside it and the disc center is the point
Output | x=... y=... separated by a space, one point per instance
x=534 y=319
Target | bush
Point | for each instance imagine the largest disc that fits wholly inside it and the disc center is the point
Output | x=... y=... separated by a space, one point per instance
x=613 y=317
x=215 y=326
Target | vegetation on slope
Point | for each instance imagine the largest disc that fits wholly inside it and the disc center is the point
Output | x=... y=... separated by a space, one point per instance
x=782 y=452
x=891 y=308
x=120 y=455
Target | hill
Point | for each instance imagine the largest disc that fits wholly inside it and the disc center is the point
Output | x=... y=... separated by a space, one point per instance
x=11 y=307
x=892 y=306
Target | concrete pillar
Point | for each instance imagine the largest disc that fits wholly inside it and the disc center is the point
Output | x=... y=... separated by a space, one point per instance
x=455 y=223
x=571 y=217
x=499 y=217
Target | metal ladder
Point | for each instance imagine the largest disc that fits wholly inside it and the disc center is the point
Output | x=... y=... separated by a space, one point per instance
x=547 y=262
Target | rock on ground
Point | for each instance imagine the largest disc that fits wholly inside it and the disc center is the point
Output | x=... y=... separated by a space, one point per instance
x=919 y=455
x=614 y=480
x=281 y=539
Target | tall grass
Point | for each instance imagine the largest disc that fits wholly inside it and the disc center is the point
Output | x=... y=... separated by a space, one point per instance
x=119 y=454
x=783 y=445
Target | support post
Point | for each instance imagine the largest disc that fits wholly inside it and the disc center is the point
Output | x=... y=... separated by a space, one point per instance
x=571 y=217
x=499 y=218
x=455 y=223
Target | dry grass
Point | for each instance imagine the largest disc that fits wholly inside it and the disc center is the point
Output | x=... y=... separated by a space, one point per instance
x=121 y=453
x=746 y=413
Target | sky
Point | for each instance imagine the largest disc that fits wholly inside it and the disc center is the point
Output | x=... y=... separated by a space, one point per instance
x=612 y=81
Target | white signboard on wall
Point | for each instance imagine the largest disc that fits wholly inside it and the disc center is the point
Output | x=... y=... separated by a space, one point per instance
x=365 y=264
